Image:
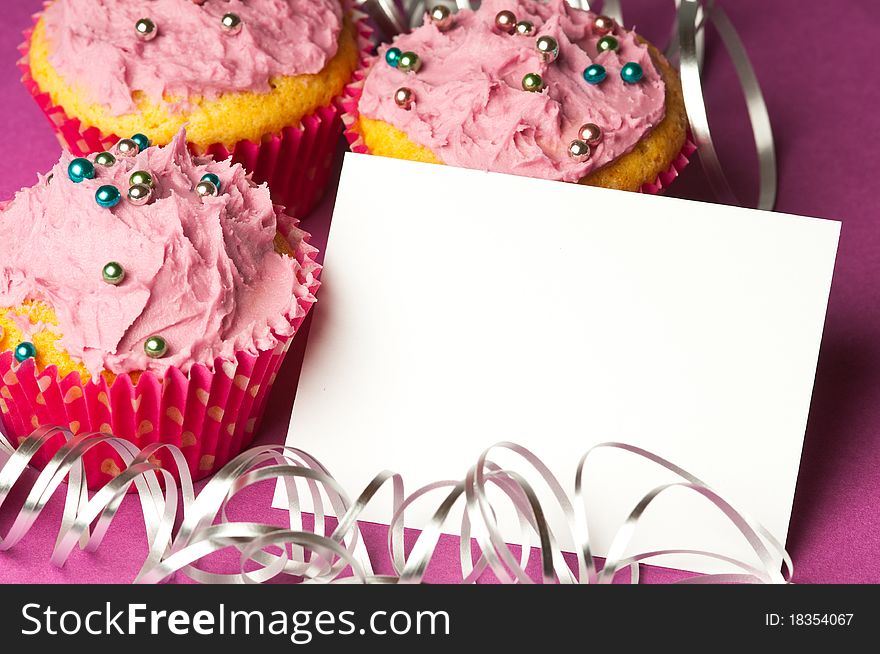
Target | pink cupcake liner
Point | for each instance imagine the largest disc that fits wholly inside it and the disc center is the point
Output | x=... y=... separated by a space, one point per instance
x=212 y=414
x=296 y=164
x=350 y=116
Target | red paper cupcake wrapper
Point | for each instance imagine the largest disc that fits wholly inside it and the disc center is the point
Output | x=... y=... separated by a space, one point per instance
x=212 y=414
x=350 y=116
x=296 y=164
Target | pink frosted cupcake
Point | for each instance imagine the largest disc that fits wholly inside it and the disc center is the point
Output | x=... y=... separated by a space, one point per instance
x=255 y=80
x=531 y=88
x=153 y=296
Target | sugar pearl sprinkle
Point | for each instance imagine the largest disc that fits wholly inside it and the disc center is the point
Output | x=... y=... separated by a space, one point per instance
x=105 y=159
x=207 y=189
x=533 y=83
x=24 y=351
x=392 y=57
x=525 y=28
x=442 y=17
x=141 y=141
x=631 y=73
x=214 y=179
x=548 y=48
x=505 y=21
x=579 y=150
x=155 y=347
x=590 y=133
x=409 y=62
x=607 y=44
x=140 y=194
x=113 y=273
x=404 y=98
x=80 y=169
x=127 y=148
x=145 y=29
x=231 y=23
x=108 y=196
x=595 y=74
x=603 y=25
x=141 y=177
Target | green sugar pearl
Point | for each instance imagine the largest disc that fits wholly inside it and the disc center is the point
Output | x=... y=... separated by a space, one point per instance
x=533 y=83
x=155 y=347
x=607 y=44
x=113 y=273
x=105 y=159
x=141 y=177
x=409 y=62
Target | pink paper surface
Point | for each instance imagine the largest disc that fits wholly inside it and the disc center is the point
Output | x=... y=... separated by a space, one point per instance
x=823 y=111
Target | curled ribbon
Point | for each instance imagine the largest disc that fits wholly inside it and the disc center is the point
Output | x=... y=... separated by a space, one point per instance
x=322 y=555
x=687 y=47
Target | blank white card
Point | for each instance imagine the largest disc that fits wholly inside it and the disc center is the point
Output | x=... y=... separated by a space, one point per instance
x=462 y=308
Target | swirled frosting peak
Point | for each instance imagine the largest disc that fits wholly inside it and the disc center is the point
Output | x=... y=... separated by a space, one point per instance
x=95 y=46
x=201 y=272
x=470 y=109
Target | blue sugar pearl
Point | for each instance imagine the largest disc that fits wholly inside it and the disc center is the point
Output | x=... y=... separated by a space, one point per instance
x=595 y=74
x=211 y=177
x=80 y=169
x=108 y=196
x=142 y=141
x=24 y=351
x=392 y=57
x=631 y=73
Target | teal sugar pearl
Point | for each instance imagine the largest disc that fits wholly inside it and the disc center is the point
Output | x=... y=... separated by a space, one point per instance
x=392 y=57
x=108 y=196
x=80 y=169
x=631 y=73
x=211 y=177
x=142 y=141
x=25 y=351
x=595 y=74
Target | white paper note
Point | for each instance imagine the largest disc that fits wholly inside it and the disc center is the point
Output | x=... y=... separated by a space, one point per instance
x=462 y=308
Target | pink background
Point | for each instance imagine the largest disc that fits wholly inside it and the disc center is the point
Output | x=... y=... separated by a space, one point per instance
x=814 y=61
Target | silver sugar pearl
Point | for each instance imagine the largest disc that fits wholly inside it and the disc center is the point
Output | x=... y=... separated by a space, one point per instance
x=145 y=29
x=525 y=28
x=206 y=189
x=127 y=148
x=441 y=16
x=140 y=194
x=548 y=48
x=231 y=23
x=579 y=150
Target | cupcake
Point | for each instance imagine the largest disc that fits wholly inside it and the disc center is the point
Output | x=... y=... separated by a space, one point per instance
x=539 y=89
x=254 y=80
x=151 y=295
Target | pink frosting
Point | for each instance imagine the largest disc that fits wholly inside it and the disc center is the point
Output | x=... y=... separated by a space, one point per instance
x=201 y=273
x=93 y=44
x=470 y=108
